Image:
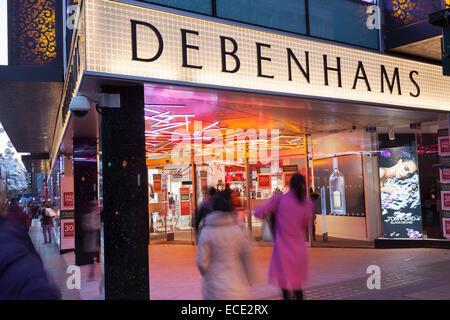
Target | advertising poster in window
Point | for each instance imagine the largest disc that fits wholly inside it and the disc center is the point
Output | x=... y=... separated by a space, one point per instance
x=445 y=200
x=341 y=180
x=444 y=146
x=157 y=183
x=446 y=227
x=264 y=181
x=185 y=202
x=400 y=193
x=444 y=175
x=67 y=231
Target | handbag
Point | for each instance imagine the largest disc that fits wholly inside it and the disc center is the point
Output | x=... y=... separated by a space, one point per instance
x=268 y=227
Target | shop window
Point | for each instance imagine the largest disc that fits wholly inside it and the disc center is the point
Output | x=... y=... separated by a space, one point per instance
x=286 y=15
x=200 y=6
x=3 y=32
x=343 y=21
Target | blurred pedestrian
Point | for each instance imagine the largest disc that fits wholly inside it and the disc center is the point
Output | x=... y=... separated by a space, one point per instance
x=315 y=198
x=22 y=274
x=224 y=253
x=91 y=229
x=293 y=216
x=47 y=222
x=17 y=216
x=28 y=212
x=204 y=209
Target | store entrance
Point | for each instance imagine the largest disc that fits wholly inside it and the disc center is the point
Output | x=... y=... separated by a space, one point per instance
x=170 y=205
x=251 y=143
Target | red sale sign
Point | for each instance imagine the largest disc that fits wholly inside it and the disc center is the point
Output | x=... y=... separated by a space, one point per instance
x=445 y=200
x=446 y=226
x=157 y=185
x=68 y=199
x=264 y=181
x=185 y=208
x=69 y=230
x=444 y=174
x=444 y=146
x=185 y=201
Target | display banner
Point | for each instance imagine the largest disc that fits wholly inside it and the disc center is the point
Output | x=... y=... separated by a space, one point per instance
x=148 y=43
x=400 y=193
x=185 y=203
x=67 y=225
x=444 y=175
x=444 y=146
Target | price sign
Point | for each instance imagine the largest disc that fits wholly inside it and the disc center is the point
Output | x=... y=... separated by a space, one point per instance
x=68 y=228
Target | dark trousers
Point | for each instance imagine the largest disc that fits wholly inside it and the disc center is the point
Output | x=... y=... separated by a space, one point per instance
x=292 y=295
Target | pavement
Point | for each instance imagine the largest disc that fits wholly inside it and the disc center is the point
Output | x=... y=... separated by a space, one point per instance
x=334 y=273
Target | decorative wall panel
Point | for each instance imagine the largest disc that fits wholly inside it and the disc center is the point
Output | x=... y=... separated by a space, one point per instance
x=400 y=13
x=32 y=32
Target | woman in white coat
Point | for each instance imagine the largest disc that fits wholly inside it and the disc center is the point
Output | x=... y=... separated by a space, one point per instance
x=224 y=253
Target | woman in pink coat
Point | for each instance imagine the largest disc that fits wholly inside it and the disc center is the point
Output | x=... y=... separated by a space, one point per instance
x=293 y=216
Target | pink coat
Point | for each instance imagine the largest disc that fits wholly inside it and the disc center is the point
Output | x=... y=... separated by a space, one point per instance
x=288 y=266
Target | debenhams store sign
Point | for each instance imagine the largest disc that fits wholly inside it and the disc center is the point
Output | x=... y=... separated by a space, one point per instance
x=133 y=41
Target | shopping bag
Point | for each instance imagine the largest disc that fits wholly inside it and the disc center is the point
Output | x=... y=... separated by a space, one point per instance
x=267 y=230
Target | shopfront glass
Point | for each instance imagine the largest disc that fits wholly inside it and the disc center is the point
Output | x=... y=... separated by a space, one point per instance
x=197 y=139
x=252 y=144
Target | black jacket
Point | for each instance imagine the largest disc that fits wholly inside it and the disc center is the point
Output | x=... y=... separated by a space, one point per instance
x=22 y=274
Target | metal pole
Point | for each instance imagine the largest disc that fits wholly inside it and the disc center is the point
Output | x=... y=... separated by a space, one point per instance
x=305 y=142
x=247 y=191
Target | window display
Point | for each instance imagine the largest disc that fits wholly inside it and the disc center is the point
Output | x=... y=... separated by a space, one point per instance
x=340 y=178
x=400 y=193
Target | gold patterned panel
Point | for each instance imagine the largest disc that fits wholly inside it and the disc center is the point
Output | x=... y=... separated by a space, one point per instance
x=32 y=25
x=405 y=12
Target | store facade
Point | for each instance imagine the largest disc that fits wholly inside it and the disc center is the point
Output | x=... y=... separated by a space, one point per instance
x=206 y=102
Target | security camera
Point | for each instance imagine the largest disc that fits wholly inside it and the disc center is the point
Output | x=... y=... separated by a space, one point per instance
x=80 y=105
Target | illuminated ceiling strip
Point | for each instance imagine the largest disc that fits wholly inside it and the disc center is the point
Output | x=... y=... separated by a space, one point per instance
x=167 y=127
x=165 y=106
x=204 y=129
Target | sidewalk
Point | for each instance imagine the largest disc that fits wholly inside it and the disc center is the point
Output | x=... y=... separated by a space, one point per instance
x=335 y=273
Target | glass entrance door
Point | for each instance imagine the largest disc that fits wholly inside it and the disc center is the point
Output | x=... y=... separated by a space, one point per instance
x=170 y=203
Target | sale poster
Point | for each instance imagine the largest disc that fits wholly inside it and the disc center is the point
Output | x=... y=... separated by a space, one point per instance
x=67 y=225
x=68 y=199
x=446 y=226
x=444 y=174
x=157 y=183
x=444 y=146
x=185 y=201
x=264 y=181
x=204 y=184
x=185 y=208
x=68 y=229
x=445 y=200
